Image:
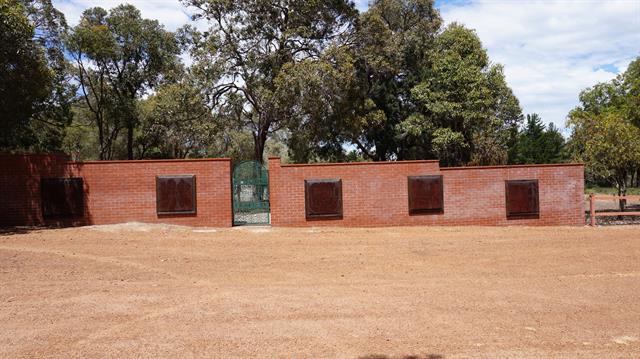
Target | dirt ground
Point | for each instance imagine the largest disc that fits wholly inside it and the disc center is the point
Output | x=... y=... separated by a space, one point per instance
x=413 y=292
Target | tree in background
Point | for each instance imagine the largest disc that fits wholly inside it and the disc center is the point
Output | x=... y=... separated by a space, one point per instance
x=538 y=144
x=605 y=133
x=35 y=90
x=403 y=89
x=248 y=45
x=176 y=123
x=319 y=97
x=119 y=58
x=391 y=50
x=466 y=113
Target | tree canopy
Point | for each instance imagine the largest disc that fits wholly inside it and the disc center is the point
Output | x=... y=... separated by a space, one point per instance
x=537 y=143
x=247 y=47
x=119 y=58
x=404 y=88
x=35 y=89
x=605 y=133
x=308 y=80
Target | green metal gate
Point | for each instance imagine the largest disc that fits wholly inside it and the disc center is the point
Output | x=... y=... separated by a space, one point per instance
x=250 y=185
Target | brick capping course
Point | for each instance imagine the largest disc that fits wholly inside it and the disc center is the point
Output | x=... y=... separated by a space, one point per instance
x=351 y=163
x=149 y=161
x=511 y=166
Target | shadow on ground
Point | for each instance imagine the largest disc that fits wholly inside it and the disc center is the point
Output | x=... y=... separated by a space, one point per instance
x=9 y=231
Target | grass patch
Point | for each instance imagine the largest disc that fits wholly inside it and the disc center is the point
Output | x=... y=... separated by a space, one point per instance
x=588 y=189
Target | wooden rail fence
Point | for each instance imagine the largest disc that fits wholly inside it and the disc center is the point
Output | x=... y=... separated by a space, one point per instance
x=592 y=207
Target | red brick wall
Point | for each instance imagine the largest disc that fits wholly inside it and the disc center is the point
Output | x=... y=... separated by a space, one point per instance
x=115 y=191
x=375 y=194
x=20 y=186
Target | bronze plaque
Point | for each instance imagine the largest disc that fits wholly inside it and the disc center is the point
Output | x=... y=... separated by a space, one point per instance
x=425 y=195
x=522 y=199
x=62 y=197
x=176 y=194
x=323 y=199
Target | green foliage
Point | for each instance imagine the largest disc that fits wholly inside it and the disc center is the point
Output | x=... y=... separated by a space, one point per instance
x=119 y=58
x=537 y=144
x=391 y=50
x=35 y=92
x=609 y=145
x=605 y=132
x=248 y=46
x=462 y=92
x=176 y=123
x=403 y=89
x=595 y=189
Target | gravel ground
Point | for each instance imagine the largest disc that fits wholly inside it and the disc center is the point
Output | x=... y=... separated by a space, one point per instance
x=414 y=292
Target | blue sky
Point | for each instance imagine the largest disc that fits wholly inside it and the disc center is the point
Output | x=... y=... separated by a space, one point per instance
x=551 y=49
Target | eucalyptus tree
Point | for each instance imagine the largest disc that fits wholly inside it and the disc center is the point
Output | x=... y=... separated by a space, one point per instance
x=119 y=58
x=176 y=123
x=35 y=90
x=247 y=47
x=392 y=48
x=403 y=88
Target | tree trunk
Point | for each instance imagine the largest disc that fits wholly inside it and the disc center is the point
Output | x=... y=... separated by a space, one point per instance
x=130 y=140
x=622 y=191
x=259 y=140
x=101 y=155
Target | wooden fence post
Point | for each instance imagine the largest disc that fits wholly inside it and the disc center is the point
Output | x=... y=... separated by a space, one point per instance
x=592 y=210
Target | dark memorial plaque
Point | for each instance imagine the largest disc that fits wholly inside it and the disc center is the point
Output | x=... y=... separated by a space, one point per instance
x=62 y=197
x=323 y=199
x=425 y=195
x=522 y=199
x=176 y=194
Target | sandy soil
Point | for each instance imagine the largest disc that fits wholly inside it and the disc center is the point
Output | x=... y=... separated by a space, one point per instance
x=419 y=292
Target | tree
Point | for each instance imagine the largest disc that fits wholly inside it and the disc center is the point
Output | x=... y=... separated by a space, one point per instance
x=248 y=45
x=318 y=96
x=35 y=91
x=463 y=103
x=392 y=49
x=605 y=133
x=608 y=144
x=403 y=89
x=119 y=58
x=538 y=144
x=176 y=123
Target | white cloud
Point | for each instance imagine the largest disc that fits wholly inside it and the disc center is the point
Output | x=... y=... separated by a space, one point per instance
x=170 y=13
x=552 y=50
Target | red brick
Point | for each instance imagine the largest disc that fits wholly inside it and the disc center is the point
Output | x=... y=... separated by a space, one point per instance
x=115 y=191
x=375 y=194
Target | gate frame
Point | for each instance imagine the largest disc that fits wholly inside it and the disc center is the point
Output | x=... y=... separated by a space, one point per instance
x=266 y=185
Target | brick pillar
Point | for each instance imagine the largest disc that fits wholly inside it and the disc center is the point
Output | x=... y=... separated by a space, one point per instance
x=274 y=189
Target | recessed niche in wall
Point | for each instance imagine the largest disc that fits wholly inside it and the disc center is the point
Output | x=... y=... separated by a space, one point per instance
x=176 y=194
x=62 y=197
x=323 y=199
x=425 y=195
x=522 y=199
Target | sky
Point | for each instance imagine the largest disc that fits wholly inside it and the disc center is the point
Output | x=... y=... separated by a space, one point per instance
x=551 y=49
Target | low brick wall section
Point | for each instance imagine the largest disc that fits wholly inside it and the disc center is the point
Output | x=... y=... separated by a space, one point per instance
x=372 y=194
x=376 y=194
x=114 y=191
